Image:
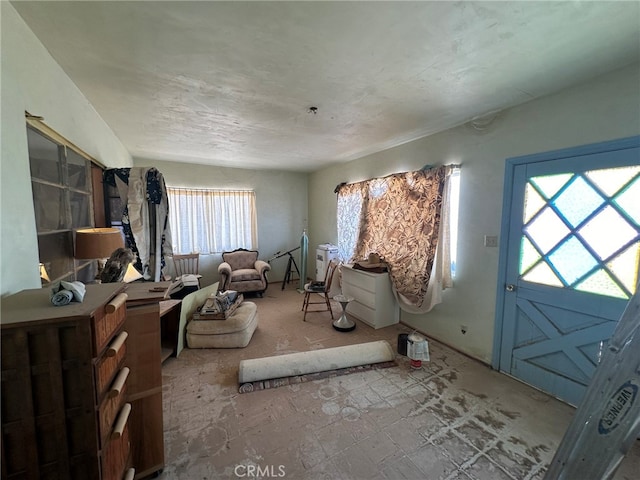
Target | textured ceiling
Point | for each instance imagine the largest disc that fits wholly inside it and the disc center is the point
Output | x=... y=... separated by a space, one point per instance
x=232 y=83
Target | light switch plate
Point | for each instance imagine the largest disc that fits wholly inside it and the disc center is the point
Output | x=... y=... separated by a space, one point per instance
x=490 y=241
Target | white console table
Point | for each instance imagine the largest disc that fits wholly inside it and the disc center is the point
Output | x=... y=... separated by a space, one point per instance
x=374 y=302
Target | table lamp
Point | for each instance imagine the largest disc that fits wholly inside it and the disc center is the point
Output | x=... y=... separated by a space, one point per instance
x=97 y=243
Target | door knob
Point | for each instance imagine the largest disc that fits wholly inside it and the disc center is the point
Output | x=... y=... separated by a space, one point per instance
x=511 y=287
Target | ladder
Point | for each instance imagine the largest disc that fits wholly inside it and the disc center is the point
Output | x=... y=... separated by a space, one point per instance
x=607 y=421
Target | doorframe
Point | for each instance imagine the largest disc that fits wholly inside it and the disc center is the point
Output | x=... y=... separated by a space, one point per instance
x=508 y=190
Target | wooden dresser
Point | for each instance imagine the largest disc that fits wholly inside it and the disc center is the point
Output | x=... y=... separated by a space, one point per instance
x=374 y=302
x=145 y=384
x=65 y=412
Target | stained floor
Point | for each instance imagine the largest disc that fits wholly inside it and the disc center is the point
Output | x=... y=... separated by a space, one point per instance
x=454 y=418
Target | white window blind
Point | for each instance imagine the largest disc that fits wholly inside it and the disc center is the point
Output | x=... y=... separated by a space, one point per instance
x=212 y=221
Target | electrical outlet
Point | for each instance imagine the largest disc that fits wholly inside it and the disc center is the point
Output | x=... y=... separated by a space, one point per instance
x=463 y=329
x=490 y=241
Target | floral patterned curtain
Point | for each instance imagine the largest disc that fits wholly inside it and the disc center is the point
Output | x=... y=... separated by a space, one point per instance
x=398 y=217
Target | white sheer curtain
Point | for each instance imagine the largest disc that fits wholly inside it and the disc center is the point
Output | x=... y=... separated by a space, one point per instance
x=349 y=213
x=212 y=221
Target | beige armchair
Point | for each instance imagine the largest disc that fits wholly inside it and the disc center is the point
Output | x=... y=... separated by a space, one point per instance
x=241 y=270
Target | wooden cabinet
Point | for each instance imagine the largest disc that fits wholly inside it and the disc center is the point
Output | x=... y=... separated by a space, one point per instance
x=145 y=383
x=374 y=302
x=65 y=378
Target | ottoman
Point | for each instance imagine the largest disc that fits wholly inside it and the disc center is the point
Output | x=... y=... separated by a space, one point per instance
x=234 y=332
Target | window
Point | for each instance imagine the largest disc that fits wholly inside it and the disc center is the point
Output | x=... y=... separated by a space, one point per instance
x=349 y=214
x=62 y=200
x=406 y=218
x=212 y=221
x=581 y=231
x=454 y=203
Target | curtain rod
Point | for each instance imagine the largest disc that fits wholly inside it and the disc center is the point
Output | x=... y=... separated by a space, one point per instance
x=426 y=167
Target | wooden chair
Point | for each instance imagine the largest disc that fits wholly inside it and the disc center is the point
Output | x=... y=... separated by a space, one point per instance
x=184 y=264
x=322 y=289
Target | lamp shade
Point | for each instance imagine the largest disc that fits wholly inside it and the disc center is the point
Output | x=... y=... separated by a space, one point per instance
x=97 y=242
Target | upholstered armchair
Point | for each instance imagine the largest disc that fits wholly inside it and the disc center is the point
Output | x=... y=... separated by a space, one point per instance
x=241 y=270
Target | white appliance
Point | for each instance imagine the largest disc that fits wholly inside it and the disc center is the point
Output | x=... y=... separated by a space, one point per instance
x=324 y=254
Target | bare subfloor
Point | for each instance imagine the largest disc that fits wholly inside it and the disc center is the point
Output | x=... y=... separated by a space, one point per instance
x=454 y=418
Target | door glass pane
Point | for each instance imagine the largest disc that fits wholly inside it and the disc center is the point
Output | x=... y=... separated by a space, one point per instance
x=550 y=184
x=607 y=232
x=533 y=203
x=43 y=157
x=547 y=230
x=528 y=255
x=625 y=266
x=591 y=241
x=543 y=274
x=577 y=201
x=601 y=283
x=610 y=180
x=629 y=200
x=572 y=260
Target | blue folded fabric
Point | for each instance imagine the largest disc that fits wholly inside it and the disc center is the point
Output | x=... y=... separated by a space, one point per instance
x=77 y=288
x=64 y=293
x=61 y=297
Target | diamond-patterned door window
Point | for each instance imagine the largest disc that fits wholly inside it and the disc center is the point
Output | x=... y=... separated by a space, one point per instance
x=546 y=230
x=582 y=231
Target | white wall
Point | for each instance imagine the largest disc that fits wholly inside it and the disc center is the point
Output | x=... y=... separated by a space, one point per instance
x=31 y=80
x=281 y=201
x=602 y=109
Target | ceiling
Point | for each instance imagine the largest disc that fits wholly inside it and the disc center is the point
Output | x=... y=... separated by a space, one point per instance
x=233 y=83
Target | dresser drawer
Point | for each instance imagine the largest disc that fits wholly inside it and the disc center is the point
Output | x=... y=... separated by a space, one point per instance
x=115 y=454
x=364 y=313
x=107 y=321
x=363 y=280
x=365 y=297
x=112 y=404
x=107 y=366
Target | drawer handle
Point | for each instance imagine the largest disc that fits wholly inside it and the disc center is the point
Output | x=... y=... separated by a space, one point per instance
x=130 y=474
x=116 y=345
x=121 y=421
x=118 y=383
x=116 y=303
